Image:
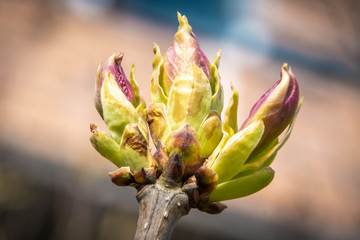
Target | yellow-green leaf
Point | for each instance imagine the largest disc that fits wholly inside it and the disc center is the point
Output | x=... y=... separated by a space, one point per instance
x=237 y=150
x=134 y=148
x=242 y=187
x=230 y=120
x=107 y=147
x=210 y=134
x=117 y=110
x=189 y=99
x=217 y=97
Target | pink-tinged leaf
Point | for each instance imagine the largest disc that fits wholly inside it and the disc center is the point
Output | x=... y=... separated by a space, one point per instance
x=113 y=66
x=183 y=53
x=276 y=107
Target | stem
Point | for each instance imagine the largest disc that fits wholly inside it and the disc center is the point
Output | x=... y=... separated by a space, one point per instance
x=161 y=205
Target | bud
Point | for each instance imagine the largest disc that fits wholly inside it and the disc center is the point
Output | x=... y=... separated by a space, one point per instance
x=209 y=159
x=263 y=157
x=122 y=176
x=183 y=54
x=145 y=175
x=190 y=187
x=210 y=134
x=106 y=146
x=185 y=81
x=206 y=179
x=277 y=107
x=112 y=66
x=117 y=99
x=174 y=170
x=161 y=157
x=212 y=207
x=185 y=141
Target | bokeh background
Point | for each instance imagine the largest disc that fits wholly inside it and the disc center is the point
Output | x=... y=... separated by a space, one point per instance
x=53 y=185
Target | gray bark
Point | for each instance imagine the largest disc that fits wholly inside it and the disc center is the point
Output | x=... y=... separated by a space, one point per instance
x=161 y=205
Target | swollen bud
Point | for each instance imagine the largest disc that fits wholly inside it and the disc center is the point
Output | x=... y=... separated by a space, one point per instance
x=277 y=107
x=174 y=170
x=183 y=54
x=106 y=146
x=113 y=66
x=185 y=141
x=212 y=207
x=208 y=158
x=161 y=157
x=122 y=176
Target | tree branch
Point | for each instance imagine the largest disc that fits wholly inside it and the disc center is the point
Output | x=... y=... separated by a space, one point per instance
x=161 y=205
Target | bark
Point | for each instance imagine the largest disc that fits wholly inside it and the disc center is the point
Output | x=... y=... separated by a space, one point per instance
x=161 y=205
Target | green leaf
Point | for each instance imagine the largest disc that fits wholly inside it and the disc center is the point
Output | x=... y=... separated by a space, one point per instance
x=189 y=99
x=210 y=134
x=139 y=102
x=242 y=187
x=217 y=97
x=157 y=92
x=158 y=123
x=237 y=150
x=218 y=149
x=157 y=58
x=107 y=147
x=185 y=141
x=230 y=120
x=134 y=148
x=257 y=159
x=117 y=110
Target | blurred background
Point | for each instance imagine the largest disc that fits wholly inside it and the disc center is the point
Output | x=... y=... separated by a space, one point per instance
x=54 y=185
